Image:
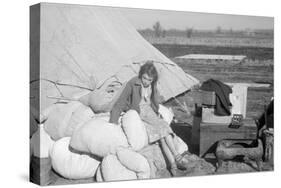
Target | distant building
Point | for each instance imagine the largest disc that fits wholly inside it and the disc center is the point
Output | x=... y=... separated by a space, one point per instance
x=250 y=32
x=214 y=58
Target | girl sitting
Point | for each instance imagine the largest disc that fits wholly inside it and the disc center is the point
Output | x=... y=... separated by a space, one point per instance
x=140 y=94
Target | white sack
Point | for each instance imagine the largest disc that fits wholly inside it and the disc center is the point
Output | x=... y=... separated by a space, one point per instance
x=102 y=100
x=81 y=115
x=98 y=137
x=135 y=130
x=72 y=165
x=113 y=170
x=63 y=118
x=41 y=143
x=106 y=117
x=99 y=177
x=166 y=113
x=134 y=161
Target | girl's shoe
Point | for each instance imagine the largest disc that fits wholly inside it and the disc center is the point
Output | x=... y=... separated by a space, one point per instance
x=181 y=162
x=175 y=172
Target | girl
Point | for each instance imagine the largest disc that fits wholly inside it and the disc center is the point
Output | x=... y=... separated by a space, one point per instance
x=140 y=94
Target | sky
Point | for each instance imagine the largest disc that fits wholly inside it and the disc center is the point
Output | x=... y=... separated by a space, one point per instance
x=144 y=18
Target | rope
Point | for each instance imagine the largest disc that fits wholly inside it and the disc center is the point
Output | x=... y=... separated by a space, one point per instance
x=62 y=84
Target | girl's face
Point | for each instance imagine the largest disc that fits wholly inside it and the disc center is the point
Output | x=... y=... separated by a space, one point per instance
x=146 y=80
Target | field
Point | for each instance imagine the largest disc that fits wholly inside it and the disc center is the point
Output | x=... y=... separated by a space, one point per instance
x=265 y=42
x=252 y=52
x=257 y=68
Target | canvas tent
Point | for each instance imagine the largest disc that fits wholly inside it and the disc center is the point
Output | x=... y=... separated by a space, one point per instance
x=82 y=47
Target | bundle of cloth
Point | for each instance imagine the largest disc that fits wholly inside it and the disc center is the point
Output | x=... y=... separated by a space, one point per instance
x=81 y=143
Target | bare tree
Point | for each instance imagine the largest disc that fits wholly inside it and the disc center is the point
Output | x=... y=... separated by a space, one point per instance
x=218 y=30
x=231 y=30
x=189 y=32
x=164 y=33
x=157 y=29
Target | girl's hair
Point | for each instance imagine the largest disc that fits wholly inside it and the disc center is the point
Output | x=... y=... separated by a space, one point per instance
x=149 y=69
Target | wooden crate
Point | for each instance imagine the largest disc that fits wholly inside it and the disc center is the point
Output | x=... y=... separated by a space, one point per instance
x=208 y=128
x=206 y=135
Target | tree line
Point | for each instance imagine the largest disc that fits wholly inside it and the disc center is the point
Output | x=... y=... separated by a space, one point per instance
x=159 y=31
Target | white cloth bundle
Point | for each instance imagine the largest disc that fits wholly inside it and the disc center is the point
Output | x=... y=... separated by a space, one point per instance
x=113 y=170
x=134 y=130
x=62 y=119
x=134 y=161
x=99 y=177
x=102 y=100
x=98 y=137
x=72 y=165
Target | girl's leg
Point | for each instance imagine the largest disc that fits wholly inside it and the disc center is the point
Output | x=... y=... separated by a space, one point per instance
x=179 y=160
x=171 y=145
x=173 y=165
x=167 y=152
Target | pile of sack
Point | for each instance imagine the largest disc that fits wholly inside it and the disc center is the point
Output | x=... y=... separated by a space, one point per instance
x=83 y=144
